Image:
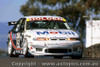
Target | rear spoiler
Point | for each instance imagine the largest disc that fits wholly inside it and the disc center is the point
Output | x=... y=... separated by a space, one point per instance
x=12 y=23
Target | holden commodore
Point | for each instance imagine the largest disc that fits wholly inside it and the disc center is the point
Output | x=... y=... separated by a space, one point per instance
x=43 y=36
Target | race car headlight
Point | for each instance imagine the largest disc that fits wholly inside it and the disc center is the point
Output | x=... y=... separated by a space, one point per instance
x=72 y=39
x=42 y=39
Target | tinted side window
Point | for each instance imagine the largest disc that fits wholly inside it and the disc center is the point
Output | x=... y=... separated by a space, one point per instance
x=22 y=24
x=17 y=26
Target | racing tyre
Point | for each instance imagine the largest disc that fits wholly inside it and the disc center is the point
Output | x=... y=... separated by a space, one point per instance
x=11 y=50
x=25 y=50
x=58 y=57
x=76 y=57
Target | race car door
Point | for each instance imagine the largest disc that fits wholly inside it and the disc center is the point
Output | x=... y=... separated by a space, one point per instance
x=17 y=33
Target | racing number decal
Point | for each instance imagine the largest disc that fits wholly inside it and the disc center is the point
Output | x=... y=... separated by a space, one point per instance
x=13 y=43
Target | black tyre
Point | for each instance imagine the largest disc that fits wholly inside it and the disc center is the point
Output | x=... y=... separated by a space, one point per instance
x=76 y=57
x=11 y=50
x=25 y=50
x=58 y=57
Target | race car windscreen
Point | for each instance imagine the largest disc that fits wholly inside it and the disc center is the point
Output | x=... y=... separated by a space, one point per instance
x=47 y=25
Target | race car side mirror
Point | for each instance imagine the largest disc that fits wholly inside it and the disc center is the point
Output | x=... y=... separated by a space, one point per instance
x=12 y=23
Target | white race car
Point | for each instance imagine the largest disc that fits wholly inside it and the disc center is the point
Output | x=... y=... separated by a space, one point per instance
x=43 y=35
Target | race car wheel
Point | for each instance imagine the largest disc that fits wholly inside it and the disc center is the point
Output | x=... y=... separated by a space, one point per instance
x=58 y=57
x=76 y=57
x=11 y=50
x=25 y=49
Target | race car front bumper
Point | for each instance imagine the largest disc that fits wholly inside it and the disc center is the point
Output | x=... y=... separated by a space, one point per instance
x=54 y=48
